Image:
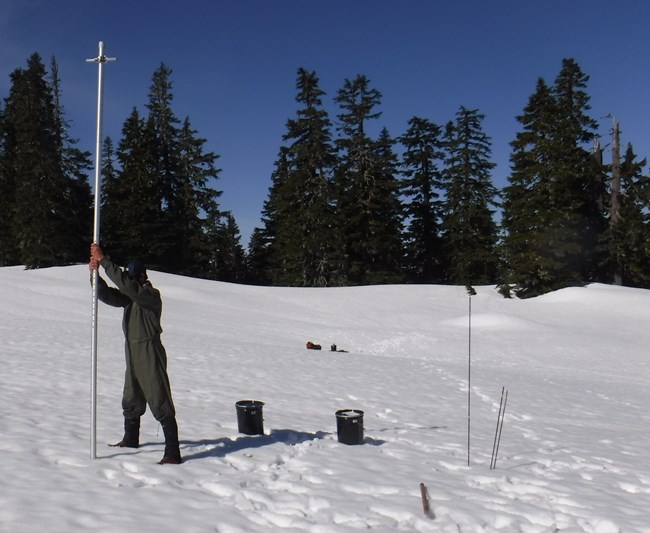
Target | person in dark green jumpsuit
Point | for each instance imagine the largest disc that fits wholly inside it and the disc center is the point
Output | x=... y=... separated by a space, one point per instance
x=146 y=381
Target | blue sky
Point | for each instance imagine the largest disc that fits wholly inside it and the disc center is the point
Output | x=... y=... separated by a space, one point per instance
x=234 y=66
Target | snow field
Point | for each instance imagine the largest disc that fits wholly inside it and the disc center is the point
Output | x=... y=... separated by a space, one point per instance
x=572 y=457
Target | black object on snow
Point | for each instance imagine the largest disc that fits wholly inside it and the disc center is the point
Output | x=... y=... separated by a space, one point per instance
x=249 y=417
x=349 y=426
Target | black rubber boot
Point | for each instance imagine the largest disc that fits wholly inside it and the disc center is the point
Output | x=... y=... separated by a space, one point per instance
x=172 y=451
x=131 y=437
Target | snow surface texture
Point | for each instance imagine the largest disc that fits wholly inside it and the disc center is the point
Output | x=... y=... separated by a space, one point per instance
x=573 y=455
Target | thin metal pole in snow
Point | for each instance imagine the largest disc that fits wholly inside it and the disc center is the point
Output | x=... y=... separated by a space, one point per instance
x=496 y=432
x=469 y=377
x=497 y=436
x=100 y=60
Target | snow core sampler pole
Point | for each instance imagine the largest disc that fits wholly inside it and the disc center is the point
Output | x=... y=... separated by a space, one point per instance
x=100 y=60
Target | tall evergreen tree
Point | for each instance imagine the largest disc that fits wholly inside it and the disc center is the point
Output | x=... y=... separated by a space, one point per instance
x=193 y=206
x=131 y=199
x=526 y=208
x=269 y=266
x=553 y=209
x=160 y=203
x=50 y=196
x=76 y=165
x=229 y=261
x=628 y=238
x=162 y=126
x=366 y=189
x=303 y=241
x=256 y=259
x=470 y=232
x=385 y=216
x=9 y=253
x=580 y=180
x=422 y=164
x=109 y=204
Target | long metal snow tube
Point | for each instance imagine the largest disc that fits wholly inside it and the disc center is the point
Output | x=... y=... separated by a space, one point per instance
x=100 y=60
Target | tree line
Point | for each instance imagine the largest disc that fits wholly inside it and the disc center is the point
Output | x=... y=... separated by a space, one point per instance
x=344 y=207
x=157 y=203
x=347 y=209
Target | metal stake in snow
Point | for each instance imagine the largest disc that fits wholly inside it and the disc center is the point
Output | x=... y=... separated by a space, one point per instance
x=469 y=376
x=100 y=60
x=497 y=434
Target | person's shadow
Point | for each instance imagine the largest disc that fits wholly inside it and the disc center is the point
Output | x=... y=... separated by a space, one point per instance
x=224 y=446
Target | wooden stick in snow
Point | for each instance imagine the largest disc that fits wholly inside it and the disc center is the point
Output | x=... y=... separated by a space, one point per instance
x=425 y=501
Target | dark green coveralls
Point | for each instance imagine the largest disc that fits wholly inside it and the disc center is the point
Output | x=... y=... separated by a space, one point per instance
x=145 y=380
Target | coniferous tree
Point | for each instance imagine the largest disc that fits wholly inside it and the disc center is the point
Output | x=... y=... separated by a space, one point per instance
x=160 y=202
x=422 y=164
x=76 y=165
x=109 y=206
x=162 y=127
x=229 y=258
x=581 y=178
x=131 y=203
x=9 y=253
x=526 y=208
x=49 y=197
x=553 y=210
x=270 y=266
x=109 y=172
x=302 y=238
x=470 y=232
x=366 y=189
x=257 y=259
x=628 y=237
x=193 y=205
x=385 y=216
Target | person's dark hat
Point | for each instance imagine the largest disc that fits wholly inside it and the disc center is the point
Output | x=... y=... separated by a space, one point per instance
x=134 y=268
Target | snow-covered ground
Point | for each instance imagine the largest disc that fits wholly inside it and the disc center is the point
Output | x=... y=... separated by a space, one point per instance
x=573 y=455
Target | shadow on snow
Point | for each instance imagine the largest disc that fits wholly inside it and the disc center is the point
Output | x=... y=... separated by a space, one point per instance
x=223 y=446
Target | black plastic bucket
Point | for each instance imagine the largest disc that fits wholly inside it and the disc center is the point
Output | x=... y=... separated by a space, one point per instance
x=249 y=417
x=349 y=426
